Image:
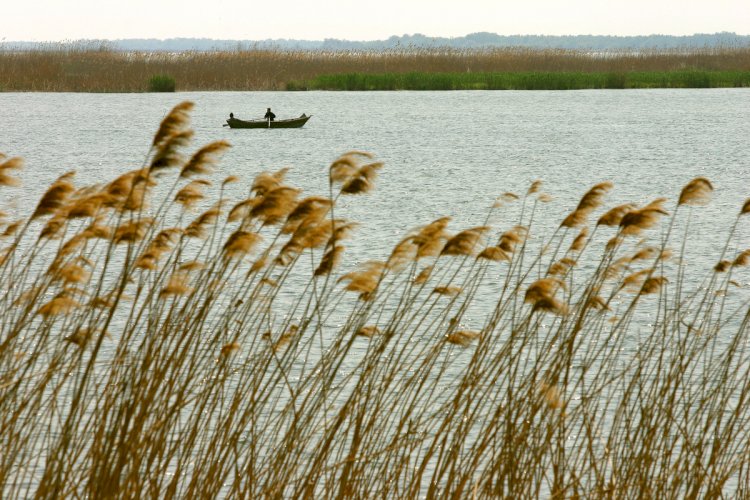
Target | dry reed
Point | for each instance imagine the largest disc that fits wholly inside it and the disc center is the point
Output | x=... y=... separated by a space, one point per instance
x=224 y=355
x=70 y=68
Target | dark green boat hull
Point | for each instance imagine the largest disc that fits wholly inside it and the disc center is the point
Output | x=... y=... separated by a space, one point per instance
x=291 y=123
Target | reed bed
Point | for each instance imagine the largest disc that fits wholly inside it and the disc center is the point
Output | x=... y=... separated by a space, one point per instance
x=525 y=81
x=70 y=68
x=162 y=340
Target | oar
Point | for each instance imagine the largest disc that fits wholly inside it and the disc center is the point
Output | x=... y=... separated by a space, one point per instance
x=269 y=122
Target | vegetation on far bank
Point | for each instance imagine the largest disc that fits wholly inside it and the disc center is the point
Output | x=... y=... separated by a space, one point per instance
x=83 y=69
x=525 y=81
x=161 y=83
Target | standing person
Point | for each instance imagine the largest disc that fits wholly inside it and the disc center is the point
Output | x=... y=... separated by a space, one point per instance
x=269 y=115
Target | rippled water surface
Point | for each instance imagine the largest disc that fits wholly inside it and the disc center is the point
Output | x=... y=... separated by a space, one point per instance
x=446 y=153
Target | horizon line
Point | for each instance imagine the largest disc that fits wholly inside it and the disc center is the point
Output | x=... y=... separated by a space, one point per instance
x=405 y=35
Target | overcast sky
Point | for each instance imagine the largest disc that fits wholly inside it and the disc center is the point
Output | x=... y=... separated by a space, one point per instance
x=54 y=20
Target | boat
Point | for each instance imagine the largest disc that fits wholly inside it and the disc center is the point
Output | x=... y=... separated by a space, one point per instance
x=288 y=123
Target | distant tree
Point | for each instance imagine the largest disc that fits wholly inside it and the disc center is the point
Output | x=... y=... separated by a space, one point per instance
x=417 y=40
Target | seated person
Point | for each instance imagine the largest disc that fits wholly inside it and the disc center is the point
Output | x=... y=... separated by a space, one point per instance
x=269 y=115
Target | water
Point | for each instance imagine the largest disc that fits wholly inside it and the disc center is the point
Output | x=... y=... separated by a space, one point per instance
x=445 y=153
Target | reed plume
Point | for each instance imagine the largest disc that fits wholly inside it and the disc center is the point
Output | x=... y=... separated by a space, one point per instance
x=191 y=193
x=61 y=304
x=579 y=242
x=589 y=202
x=647 y=253
x=83 y=336
x=230 y=348
x=240 y=243
x=191 y=266
x=509 y=239
x=268 y=181
x=72 y=273
x=175 y=122
x=505 y=198
x=598 y=303
x=314 y=233
x=423 y=275
x=742 y=259
x=6 y=179
x=465 y=242
x=242 y=209
x=258 y=265
x=284 y=339
x=561 y=267
x=635 y=221
x=178 y=284
x=276 y=205
x=168 y=153
x=551 y=395
x=362 y=180
x=54 y=227
x=160 y=245
x=653 y=284
x=541 y=289
x=132 y=231
x=449 y=290
x=11 y=229
x=330 y=260
x=368 y=331
x=365 y=280
x=614 y=216
x=198 y=228
x=402 y=254
x=346 y=166
x=696 y=192
x=203 y=160
x=129 y=192
x=88 y=206
x=462 y=338
x=235 y=365
x=55 y=197
x=310 y=210
x=431 y=239
x=495 y=254
x=723 y=266
x=541 y=295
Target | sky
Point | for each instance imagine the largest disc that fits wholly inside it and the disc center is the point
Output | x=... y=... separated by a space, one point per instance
x=57 y=20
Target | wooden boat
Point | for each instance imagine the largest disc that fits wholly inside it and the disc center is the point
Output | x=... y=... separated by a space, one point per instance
x=289 y=123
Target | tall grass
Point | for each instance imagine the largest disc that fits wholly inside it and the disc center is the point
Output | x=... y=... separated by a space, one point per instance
x=161 y=340
x=525 y=81
x=161 y=83
x=81 y=69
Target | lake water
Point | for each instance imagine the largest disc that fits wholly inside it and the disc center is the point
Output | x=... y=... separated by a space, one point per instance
x=445 y=153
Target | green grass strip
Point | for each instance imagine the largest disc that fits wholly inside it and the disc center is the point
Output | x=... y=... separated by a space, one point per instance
x=525 y=81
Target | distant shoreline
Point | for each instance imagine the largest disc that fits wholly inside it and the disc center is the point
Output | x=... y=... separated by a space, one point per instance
x=86 y=70
x=418 y=41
